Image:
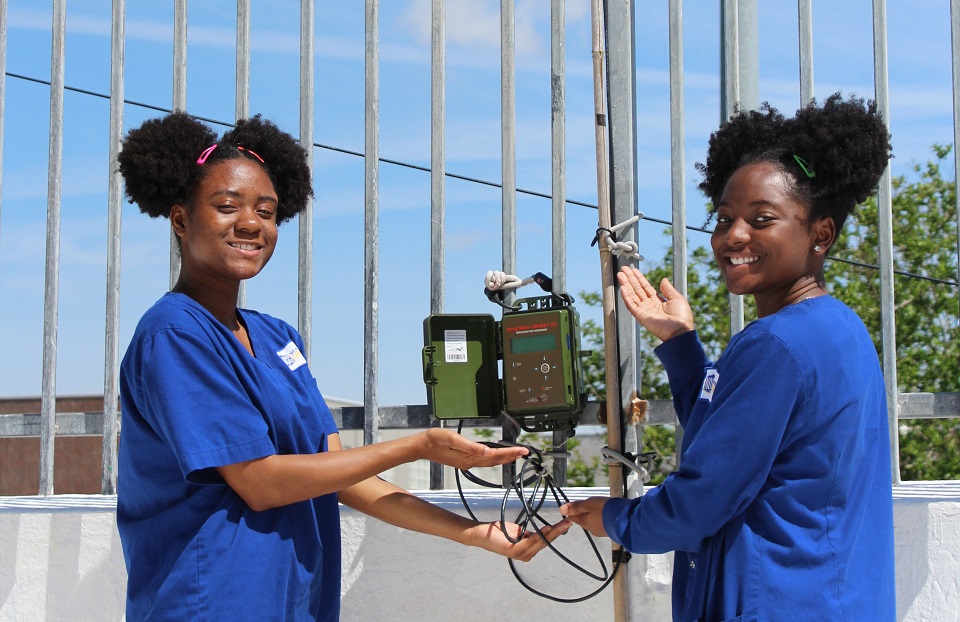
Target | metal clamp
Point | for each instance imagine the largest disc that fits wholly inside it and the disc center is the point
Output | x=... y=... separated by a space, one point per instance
x=631 y=460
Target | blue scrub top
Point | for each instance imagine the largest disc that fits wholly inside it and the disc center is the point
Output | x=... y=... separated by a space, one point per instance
x=193 y=399
x=782 y=506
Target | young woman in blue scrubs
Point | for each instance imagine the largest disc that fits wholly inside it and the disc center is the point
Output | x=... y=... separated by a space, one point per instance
x=230 y=464
x=781 y=508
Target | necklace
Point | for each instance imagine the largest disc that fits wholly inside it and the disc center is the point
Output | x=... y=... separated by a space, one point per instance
x=807 y=298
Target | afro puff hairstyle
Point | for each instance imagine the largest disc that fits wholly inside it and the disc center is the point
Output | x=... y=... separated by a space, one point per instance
x=834 y=153
x=158 y=161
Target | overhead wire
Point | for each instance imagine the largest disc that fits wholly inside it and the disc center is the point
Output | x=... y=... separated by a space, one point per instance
x=460 y=177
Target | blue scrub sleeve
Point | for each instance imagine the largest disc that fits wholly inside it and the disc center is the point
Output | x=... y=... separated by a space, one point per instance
x=199 y=406
x=727 y=462
x=685 y=362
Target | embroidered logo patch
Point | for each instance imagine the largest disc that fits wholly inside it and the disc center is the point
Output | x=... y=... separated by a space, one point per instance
x=709 y=384
x=291 y=356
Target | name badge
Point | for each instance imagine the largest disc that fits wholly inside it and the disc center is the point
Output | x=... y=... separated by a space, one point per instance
x=709 y=384
x=291 y=356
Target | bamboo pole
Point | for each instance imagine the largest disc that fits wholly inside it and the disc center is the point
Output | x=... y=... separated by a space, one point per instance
x=611 y=355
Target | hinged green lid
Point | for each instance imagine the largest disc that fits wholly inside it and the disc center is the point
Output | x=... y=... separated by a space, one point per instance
x=460 y=366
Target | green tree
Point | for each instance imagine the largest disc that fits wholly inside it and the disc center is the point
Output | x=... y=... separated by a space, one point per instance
x=927 y=310
x=927 y=317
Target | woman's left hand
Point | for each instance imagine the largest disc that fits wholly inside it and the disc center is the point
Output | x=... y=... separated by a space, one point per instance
x=448 y=447
x=490 y=536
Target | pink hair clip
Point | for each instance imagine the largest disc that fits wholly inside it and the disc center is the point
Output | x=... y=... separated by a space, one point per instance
x=251 y=152
x=206 y=153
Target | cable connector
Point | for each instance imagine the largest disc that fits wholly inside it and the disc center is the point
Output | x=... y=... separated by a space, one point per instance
x=496 y=281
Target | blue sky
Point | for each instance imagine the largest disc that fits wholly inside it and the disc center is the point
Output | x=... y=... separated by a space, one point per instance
x=920 y=115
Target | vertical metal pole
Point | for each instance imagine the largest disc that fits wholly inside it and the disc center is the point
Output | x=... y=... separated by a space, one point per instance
x=677 y=162
x=48 y=400
x=3 y=89
x=955 y=44
x=613 y=31
x=508 y=147
x=619 y=36
x=888 y=335
x=559 y=183
x=748 y=56
x=108 y=475
x=243 y=89
x=610 y=327
x=730 y=75
x=243 y=60
x=371 y=422
x=179 y=104
x=438 y=120
x=508 y=140
x=305 y=219
x=729 y=58
x=437 y=154
x=805 y=15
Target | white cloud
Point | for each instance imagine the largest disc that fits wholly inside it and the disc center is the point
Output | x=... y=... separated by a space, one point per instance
x=472 y=31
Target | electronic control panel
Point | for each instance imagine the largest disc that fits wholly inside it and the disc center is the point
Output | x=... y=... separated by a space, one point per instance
x=536 y=361
x=536 y=348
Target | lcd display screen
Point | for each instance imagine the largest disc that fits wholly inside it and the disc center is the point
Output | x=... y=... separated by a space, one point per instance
x=533 y=343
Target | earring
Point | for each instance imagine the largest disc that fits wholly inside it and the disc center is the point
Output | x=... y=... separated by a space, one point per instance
x=817 y=248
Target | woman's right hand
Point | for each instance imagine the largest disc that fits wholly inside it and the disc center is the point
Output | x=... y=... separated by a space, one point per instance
x=665 y=317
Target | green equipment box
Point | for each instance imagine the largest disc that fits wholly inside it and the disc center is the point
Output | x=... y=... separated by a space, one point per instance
x=542 y=378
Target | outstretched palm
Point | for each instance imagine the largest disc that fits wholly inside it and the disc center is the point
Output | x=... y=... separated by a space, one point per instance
x=665 y=317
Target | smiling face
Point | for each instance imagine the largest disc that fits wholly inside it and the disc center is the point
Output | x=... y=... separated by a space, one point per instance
x=229 y=231
x=764 y=239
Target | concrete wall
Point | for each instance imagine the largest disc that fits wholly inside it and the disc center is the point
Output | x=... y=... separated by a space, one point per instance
x=60 y=559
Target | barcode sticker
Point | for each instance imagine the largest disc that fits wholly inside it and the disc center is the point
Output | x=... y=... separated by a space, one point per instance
x=455 y=346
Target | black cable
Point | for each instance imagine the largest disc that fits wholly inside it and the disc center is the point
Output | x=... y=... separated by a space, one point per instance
x=534 y=472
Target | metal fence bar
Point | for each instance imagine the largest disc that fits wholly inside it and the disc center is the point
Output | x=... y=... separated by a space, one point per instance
x=48 y=404
x=955 y=47
x=508 y=148
x=243 y=59
x=508 y=141
x=371 y=219
x=730 y=79
x=3 y=92
x=660 y=412
x=748 y=55
x=438 y=131
x=111 y=393
x=243 y=90
x=888 y=334
x=678 y=183
x=179 y=104
x=438 y=119
x=305 y=219
x=558 y=164
x=622 y=136
x=928 y=406
x=805 y=19
x=371 y=417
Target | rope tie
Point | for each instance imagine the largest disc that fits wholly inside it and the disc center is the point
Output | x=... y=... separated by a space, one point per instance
x=496 y=280
x=616 y=247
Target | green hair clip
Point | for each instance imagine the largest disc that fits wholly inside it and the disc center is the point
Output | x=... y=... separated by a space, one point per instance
x=807 y=169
